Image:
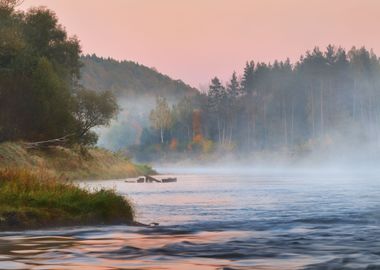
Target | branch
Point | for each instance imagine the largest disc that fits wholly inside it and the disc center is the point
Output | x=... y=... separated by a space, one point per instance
x=48 y=143
x=11 y=3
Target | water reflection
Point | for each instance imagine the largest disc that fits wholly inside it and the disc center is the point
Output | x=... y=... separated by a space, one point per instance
x=221 y=222
x=122 y=249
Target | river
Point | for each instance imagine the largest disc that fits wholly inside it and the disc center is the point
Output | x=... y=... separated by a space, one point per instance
x=221 y=221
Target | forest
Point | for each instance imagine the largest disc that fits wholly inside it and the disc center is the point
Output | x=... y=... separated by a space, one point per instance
x=329 y=99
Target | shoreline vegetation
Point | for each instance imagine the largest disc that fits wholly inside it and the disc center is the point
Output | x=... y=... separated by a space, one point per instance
x=35 y=200
x=36 y=189
x=75 y=163
x=43 y=103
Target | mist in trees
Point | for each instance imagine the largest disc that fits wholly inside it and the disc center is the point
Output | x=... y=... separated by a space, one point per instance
x=136 y=88
x=161 y=117
x=328 y=101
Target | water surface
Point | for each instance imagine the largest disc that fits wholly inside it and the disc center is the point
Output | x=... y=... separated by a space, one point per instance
x=211 y=221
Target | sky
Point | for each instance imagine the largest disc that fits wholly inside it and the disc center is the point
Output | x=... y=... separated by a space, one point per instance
x=195 y=40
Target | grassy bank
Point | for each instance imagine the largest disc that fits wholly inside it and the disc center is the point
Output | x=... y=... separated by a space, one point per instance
x=73 y=163
x=36 y=200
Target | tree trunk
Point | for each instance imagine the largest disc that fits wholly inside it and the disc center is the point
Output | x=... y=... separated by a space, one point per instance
x=354 y=101
x=312 y=111
x=285 y=124
x=219 y=135
x=292 y=125
x=265 y=125
x=188 y=133
x=322 y=128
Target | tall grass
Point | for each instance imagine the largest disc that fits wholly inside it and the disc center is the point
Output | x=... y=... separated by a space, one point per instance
x=35 y=199
x=71 y=163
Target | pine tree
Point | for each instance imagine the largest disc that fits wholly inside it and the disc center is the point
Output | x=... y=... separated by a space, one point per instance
x=217 y=101
x=248 y=78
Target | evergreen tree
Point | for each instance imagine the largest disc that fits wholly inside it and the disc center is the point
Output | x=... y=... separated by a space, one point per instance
x=248 y=78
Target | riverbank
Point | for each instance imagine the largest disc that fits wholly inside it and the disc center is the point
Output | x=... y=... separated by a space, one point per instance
x=71 y=163
x=37 y=200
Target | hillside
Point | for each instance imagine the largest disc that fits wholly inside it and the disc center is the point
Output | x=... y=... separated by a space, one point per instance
x=126 y=79
x=136 y=88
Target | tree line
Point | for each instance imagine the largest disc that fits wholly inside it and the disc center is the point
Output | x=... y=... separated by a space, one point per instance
x=327 y=96
x=40 y=94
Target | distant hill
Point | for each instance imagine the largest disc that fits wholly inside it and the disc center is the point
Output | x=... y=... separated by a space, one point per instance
x=136 y=88
x=127 y=78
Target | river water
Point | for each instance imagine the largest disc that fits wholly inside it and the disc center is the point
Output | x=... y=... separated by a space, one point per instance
x=227 y=221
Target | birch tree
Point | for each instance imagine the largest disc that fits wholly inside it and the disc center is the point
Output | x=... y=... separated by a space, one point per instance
x=161 y=117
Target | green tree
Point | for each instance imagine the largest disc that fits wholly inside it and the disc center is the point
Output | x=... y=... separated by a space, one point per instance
x=93 y=109
x=45 y=37
x=40 y=94
x=233 y=92
x=248 y=78
x=10 y=4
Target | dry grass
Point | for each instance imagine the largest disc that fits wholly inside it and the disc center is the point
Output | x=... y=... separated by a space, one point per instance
x=94 y=163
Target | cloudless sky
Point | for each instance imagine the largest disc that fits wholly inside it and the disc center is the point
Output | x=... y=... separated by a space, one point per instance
x=194 y=40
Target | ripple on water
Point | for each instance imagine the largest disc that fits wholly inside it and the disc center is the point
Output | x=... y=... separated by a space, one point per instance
x=220 y=222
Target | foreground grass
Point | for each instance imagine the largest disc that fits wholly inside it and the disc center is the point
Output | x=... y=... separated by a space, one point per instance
x=71 y=163
x=36 y=200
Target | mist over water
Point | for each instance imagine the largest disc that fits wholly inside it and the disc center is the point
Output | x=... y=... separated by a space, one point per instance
x=217 y=220
x=277 y=169
x=321 y=111
x=277 y=164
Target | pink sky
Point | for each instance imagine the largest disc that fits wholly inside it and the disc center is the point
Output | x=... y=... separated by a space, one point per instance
x=194 y=40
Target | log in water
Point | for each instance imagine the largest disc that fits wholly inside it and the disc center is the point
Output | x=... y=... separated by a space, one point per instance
x=216 y=221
